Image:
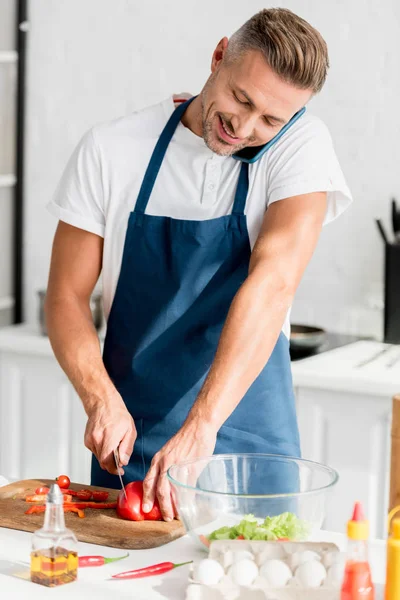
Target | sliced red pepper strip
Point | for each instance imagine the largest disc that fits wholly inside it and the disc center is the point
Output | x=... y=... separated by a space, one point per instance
x=204 y=540
x=36 y=508
x=36 y=498
x=98 y=561
x=43 y=498
x=43 y=489
x=40 y=508
x=100 y=496
x=80 y=494
x=153 y=570
x=84 y=505
x=80 y=512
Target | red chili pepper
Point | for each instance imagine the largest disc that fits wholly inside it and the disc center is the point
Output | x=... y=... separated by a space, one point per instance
x=153 y=570
x=240 y=537
x=98 y=561
x=100 y=496
x=84 y=505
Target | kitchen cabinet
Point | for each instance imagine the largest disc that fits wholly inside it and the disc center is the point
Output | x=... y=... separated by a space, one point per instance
x=42 y=421
x=344 y=417
x=344 y=413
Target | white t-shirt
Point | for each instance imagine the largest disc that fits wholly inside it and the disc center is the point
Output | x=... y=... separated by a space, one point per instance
x=102 y=179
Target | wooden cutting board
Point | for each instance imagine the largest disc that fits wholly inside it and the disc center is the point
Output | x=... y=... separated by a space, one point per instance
x=103 y=527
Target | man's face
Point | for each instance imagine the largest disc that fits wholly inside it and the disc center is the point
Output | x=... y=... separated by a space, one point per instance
x=244 y=103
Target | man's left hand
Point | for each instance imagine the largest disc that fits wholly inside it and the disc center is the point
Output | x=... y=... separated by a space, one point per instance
x=193 y=440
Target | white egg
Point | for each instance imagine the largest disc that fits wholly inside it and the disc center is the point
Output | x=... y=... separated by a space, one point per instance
x=276 y=573
x=299 y=558
x=193 y=592
x=335 y=574
x=330 y=558
x=311 y=574
x=270 y=552
x=241 y=554
x=243 y=572
x=226 y=558
x=208 y=571
x=232 y=556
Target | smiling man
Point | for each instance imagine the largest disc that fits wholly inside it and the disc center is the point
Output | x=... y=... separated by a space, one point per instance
x=202 y=216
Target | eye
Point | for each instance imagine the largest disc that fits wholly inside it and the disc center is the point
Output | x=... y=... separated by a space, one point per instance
x=241 y=101
x=270 y=123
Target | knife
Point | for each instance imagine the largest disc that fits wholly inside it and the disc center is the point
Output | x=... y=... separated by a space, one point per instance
x=116 y=459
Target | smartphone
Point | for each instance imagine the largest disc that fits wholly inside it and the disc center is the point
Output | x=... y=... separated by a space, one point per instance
x=253 y=153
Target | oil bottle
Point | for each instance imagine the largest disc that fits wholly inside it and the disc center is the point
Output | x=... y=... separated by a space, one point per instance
x=54 y=556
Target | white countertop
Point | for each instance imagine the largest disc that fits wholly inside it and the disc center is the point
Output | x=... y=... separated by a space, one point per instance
x=335 y=369
x=95 y=583
x=339 y=369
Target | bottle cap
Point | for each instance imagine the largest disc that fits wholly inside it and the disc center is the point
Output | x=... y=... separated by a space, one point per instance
x=55 y=495
x=358 y=526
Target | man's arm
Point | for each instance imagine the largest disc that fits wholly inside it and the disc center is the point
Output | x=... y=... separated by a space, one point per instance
x=284 y=247
x=75 y=268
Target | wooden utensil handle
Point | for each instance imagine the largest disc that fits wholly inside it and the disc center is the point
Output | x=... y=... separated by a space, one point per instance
x=395 y=455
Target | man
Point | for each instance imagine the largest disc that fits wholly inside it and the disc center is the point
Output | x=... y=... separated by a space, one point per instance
x=202 y=217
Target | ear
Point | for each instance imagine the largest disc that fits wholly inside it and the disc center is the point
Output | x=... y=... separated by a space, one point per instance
x=219 y=54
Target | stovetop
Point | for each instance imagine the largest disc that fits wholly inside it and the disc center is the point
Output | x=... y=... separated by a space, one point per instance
x=332 y=341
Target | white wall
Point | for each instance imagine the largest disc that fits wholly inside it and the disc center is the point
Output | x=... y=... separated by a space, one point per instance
x=93 y=60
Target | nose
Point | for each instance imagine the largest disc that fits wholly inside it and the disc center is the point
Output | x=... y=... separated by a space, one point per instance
x=244 y=126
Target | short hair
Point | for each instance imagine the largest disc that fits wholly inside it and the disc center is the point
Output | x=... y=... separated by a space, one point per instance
x=291 y=46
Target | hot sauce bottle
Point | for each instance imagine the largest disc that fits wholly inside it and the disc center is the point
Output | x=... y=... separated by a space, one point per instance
x=54 y=556
x=357 y=582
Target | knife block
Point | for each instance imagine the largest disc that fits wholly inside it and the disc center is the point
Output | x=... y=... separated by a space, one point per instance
x=392 y=294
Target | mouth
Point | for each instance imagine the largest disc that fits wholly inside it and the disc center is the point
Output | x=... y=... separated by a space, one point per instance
x=225 y=135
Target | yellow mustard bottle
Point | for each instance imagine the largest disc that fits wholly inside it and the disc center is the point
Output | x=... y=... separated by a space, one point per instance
x=392 y=589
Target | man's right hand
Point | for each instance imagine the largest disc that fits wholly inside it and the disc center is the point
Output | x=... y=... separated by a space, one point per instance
x=110 y=426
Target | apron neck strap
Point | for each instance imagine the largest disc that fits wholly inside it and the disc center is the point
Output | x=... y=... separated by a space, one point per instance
x=158 y=156
x=241 y=190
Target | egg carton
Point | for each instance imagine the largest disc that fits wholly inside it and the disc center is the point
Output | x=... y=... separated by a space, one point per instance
x=222 y=551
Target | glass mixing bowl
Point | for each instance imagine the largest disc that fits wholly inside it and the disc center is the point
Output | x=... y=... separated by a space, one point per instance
x=219 y=491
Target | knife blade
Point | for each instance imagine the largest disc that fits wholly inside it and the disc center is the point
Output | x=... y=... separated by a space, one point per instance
x=116 y=459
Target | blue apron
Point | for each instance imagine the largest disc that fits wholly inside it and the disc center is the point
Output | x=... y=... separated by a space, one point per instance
x=177 y=281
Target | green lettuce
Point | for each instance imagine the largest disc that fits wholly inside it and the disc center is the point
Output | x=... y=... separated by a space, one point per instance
x=286 y=525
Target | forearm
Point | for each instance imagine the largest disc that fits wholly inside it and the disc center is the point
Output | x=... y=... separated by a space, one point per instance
x=248 y=338
x=76 y=346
